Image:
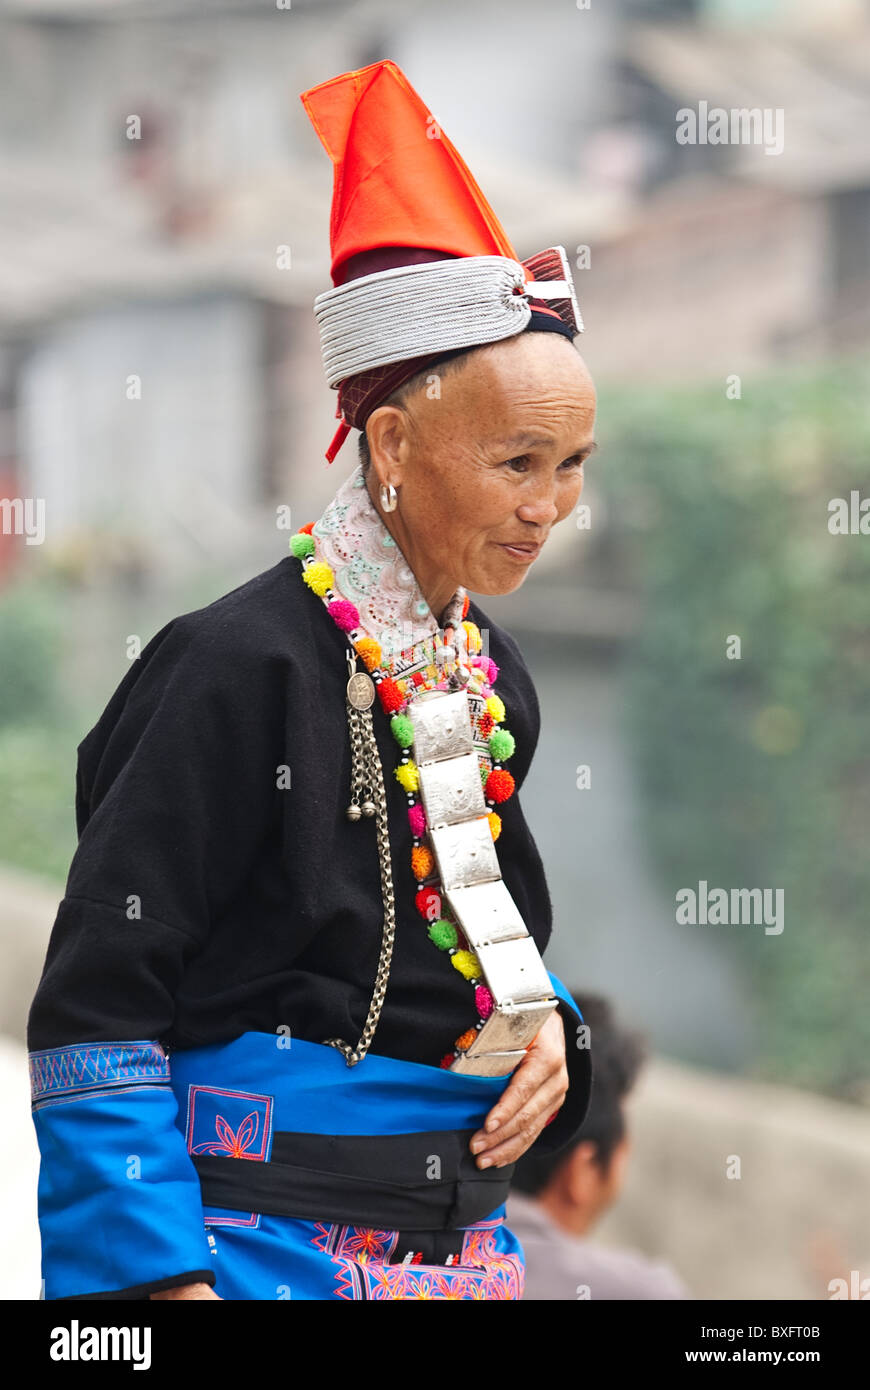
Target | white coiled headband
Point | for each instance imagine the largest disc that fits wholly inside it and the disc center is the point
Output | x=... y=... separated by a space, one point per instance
x=412 y=310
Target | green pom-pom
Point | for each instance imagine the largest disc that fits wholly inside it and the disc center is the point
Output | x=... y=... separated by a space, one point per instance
x=443 y=933
x=403 y=729
x=501 y=744
x=301 y=544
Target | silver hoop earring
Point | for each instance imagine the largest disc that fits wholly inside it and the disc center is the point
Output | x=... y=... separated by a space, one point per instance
x=389 y=497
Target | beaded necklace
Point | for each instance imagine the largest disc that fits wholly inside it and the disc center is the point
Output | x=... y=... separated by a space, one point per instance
x=457 y=660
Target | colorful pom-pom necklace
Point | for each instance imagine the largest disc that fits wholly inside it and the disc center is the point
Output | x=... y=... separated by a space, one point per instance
x=456 y=661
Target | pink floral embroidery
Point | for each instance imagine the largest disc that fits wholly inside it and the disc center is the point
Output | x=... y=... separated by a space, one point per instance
x=367 y=1244
x=229 y=1141
x=212 y=1113
x=482 y=1272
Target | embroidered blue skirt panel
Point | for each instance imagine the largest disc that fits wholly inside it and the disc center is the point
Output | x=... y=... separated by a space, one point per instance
x=311 y=1091
x=269 y=1167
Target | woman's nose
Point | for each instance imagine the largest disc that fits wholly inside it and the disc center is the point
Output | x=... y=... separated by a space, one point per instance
x=542 y=509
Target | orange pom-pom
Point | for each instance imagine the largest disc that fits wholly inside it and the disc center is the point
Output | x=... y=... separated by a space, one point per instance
x=307 y=529
x=390 y=695
x=463 y=1043
x=370 y=652
x=494 y=824
x=422 y=861
x=499 y=784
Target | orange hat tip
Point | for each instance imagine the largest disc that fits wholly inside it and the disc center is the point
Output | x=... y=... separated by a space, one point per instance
x=395 y=184
x=354 y=76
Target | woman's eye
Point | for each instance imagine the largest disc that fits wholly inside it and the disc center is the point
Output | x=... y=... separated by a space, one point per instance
x=521 y=462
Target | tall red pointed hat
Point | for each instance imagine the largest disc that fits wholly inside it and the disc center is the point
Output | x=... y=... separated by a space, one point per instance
x=404 y=197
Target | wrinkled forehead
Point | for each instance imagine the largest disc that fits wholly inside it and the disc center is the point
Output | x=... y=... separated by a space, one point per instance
x=534 y=366
x=540 y=396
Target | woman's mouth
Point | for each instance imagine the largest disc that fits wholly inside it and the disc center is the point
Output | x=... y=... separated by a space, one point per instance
x=525 y=551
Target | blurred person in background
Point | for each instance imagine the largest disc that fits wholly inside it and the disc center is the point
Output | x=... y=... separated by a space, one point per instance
x=556 y=1200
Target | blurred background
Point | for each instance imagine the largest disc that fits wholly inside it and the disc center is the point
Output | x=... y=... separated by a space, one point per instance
x=164 y=231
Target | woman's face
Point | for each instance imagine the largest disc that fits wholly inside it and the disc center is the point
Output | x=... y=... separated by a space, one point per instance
x=492 y=463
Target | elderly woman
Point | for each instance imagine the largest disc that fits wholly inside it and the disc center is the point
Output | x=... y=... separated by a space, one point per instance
x=294 y=1029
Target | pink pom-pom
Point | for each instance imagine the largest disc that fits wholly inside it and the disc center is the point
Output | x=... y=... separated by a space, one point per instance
x=344 y=614
x=492 y=668
x=483 y=1001
x=417 y=820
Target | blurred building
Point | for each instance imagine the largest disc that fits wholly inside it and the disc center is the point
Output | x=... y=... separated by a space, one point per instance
x=165 y=226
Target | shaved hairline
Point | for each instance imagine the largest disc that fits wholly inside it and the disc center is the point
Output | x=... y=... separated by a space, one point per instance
x=410 y=387
x=420 y=379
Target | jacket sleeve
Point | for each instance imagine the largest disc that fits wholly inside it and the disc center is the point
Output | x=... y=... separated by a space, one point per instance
x=578 y=1055
x=175 y=791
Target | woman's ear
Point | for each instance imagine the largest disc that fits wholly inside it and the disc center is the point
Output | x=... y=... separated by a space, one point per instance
x=387 y=431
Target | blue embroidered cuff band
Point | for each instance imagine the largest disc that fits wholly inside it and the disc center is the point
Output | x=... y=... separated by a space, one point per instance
x=64 y=1073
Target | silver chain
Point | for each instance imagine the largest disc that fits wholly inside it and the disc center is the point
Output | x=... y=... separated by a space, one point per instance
x=366 y=762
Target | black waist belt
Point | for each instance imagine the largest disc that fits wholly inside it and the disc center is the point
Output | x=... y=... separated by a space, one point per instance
x=427 y=1181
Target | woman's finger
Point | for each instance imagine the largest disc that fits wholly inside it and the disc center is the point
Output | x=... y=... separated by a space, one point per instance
x=544 y=1058
x=530 y=1119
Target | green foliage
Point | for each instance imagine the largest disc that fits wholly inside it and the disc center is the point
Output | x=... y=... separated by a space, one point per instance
x=37 y=811
x=37 y=739
x=29 y=642
x=756 y=772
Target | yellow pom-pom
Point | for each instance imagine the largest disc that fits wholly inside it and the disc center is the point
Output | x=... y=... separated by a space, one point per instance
x=422 y=862
x=408 y=775
x=496 y=708
x=467 y=964
x=318 y=576
x=475 y=641
x=370 y=652
x=494 y=824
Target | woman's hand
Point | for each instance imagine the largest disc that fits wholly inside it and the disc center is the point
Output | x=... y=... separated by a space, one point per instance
x=535 y=1092
x=188 y=1291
